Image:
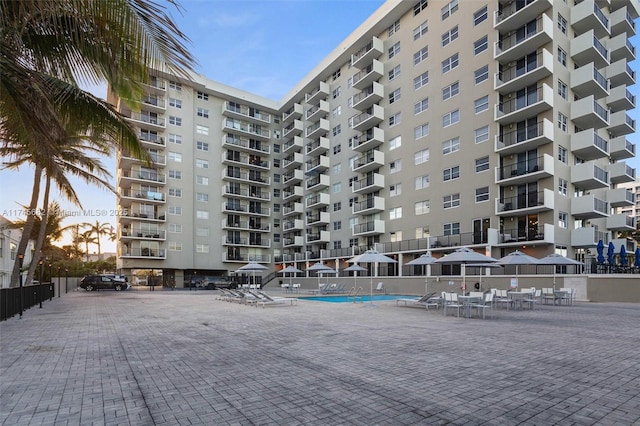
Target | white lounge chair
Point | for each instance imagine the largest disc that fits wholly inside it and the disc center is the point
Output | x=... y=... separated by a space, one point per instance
x=426 y=301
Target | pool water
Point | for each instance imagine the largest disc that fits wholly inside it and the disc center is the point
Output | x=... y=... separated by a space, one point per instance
x=361 y=298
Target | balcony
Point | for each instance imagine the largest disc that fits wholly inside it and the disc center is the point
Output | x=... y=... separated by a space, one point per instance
x=294 y=112
x=589 y=176
x=295 y=159
x=620 y=148
x=518 y=44
x=371 y=183
x=231 y=109
x=315 y=112
x=525 y=138
x=533 y=202
x=292 y=177
x=292 y=192
x=320 y=92
x=320 y=199
x=317 y=164
x=369 y=118
x=589 y=145
x=525 y=171
x=621 y=223
x=587 y=237
x=139 y=175
x=234 y=158
x=318 y=218
x=622 y=22
x=154 y=103
x=141 y=196
x=368 y=206
x=368 y=75
x=371 y=160
x=629 y=244
x=587 y=113
x=137 y=214
x=144 y=253
x=587 y=80
x=137 y=233
x=620 y=72
x=588 y=206
x=621 y=197
x=295 y=241
x=244 y=225
x=621 y=124
x=293 y=225
x=148 y=121
x=524 y=73
x=294 y=128
x=367 y=97
x=318 y=183
x=621 y=98
x=252 y=130
x=293 y=145
x=373 y=227
x=151 y=140
x=155 y=85
x=587 y=15
x=514 y=237
x=248 y=193
x=320 y=128
x=621 y=48
x=292 y=209
x=587 y=48
x=127 y=162
x=513 y=14
x=516 y=107
x=244 y=144
x=372 y=138
x=632 y=7
x=365 y=55
x=255 y=178
x=318 y=237
x=318 y=146
x=620 y=172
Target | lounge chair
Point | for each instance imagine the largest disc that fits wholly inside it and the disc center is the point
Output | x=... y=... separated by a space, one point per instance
x=265 y=300
x=380 y=288
x=426 y=301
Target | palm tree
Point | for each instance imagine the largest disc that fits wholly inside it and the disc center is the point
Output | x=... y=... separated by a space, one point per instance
x=87 y=238
x=48 y=46
x=99 y=229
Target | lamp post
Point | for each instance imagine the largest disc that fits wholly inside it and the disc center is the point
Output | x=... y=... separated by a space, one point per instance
x=59 y=282
x=41 y=263
x=20 y=260
x=50 y=283
x=66 y=279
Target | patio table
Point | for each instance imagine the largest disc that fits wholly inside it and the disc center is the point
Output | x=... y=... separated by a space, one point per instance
x=518 y=297
x=467 y=302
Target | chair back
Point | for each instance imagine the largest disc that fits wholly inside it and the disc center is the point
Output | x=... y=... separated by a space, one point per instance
x=488 y=298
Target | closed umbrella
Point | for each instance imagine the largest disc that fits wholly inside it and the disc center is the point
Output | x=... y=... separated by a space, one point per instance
x=375 y=257
x=623 y=255
x=556 y=259
x=636 y=263
x=610 y=253
x=518 y=258
x=600 y=250
x=464 y=256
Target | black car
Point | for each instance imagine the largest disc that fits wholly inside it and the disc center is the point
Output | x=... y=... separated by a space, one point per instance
x=103 y=282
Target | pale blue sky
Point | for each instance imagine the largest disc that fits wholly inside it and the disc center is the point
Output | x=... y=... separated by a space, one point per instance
x=264 y=47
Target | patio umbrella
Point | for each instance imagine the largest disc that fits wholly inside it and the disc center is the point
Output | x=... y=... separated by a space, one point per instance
x=600 y=250
x=556 y=259
x=355 y=268
x=320 y=267
x=610 y=252
x=464 y=256
x=290 y=270
x=518 y=258
x=251 y=268
x=636 y=263
x=623 y=255
x=375 y=257
x=424 y=260
x=482 y=265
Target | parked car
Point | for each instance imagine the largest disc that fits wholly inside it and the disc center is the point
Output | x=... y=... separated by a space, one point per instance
x=213 y=283
x=103 y=282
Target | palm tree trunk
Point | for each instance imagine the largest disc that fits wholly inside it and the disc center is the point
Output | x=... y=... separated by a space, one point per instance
x=28 y=226
x=42 y=231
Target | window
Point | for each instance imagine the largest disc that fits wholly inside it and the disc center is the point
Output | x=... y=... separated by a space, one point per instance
x=481 y=74
x=175 y=174
x=202 y=164
x=421 y=106
x=175 y=210
x=451 y=173
x=422 y=232
x=175 y=156
x=449 y=9
x=563 y=220
x=482 y=164
x=563 y=186
x=395 y=166
x=421 y=55
x=202 y=146
x=336 y=111
x=202 y=130
x=422 y=182
x=481 y=134
x=336 y=149
x=202 y=232
x=393 y=28
x=337 y=225
x=450 y=201
x=420 y=30
x=451 y=228
x=452 y=145
x=202 y=112
x=450 y=63
x=563 y=154
x=480 y=16
x=337 y=168
x=175 y=192
x=421 y=80
x=481 y=104
x=395 y=143
x=421 y=156
x=562 y=122
x=451 y=90
x=202 y=248
x=394 y=50
x=482 y=194
x=336 y=75
x=173 y=138
x=449 y=36
x=562 y=24
x=336 y=130
x=395 y=190
x=480 y=45
x=420 y=6
x=175 y=85
x=202 y=180
x=175 y=228
x=337 y=91
x=421 y=131
x=202 y=197
x=395 y=213
x=562 y=56
x=395 y=119
x=451 y=118
x=394 y=96
x=176 y=121
x=422 y=207
x=337 y=206
x=337 y=187
x=562 y=89
x=395 y=237
x=175 y=246
x=176 y=103
x=203 y=96
x=394 y=73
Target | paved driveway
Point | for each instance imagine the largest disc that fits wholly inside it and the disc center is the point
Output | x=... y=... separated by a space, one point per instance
x=185 y=358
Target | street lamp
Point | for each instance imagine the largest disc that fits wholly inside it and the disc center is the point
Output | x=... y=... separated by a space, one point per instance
x=20 y=260
x=66 y=279
x=59 y=282
x=41 y=263
x=50 y=283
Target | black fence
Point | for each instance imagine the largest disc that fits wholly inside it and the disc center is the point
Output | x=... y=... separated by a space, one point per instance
x=12 y=303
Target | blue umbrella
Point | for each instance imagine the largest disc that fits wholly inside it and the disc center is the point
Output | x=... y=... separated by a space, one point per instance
x=637 y=261
x=623 y=256
x=600 y=248
x=610 y=252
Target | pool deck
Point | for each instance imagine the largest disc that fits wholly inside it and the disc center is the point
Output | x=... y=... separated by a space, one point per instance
x=180 y=357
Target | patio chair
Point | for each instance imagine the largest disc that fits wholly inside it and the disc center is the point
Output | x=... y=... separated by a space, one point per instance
x=426 y=301
x=487 y=303
x=266 y=300
x=380 y=288
x=547 y=295
x=450 y=302
x=502 y=298
x=532 y=300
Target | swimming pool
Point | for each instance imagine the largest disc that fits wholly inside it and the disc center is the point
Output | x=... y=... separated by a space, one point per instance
x=360 y=298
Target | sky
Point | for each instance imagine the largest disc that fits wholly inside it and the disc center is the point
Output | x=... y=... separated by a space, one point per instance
x=264 y=47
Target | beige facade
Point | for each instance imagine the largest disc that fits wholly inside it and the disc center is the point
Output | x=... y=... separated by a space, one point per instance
x=493 y=125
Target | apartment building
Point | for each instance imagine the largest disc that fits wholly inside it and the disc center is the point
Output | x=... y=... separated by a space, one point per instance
x=631 y=209
x=496 y=125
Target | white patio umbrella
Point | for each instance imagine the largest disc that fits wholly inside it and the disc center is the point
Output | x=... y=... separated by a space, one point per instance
x=483 y=265
x=321 y=268
x=375 y=257
x=424 y=260
x=355 y=268
x=290 y=270
x=556 y=259
x=518 y=258
x=464 y=256
x=251 y=268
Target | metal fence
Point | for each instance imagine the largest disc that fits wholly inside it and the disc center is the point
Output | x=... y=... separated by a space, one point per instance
x=12 y=303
